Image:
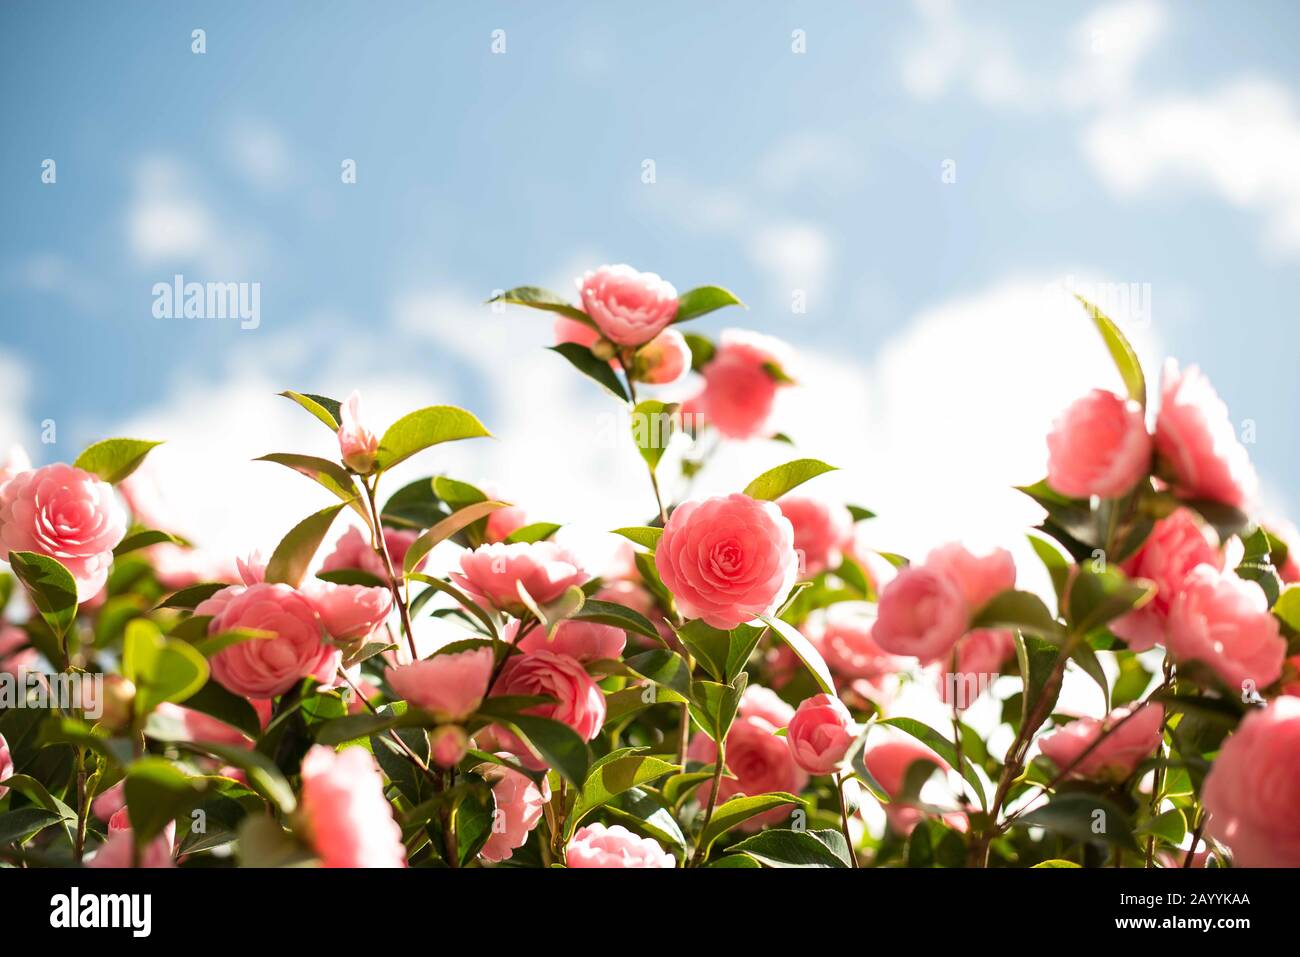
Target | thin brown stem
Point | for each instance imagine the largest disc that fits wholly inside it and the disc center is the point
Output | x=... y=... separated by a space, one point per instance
x=839 y=780
x=381 y=548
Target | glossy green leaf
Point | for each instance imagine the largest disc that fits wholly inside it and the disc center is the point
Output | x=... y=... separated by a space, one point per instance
x=653 y=425
x=613 y=774
x=804 y=651
x=941 y=746
x=114 y=459
x=331 y=476
x=789 y=848
x=448 y=527
x=326 y=410
x=1020 y=611
x=50 y=586
x=534 y=532
x=423 y=429
x=289 y=561
x=776 y=482
x=1126 y=360
x=157 y=791
x=162 y=669
x=263 y=776
x=644 y=535
x=702 y=300
x=1085 y=817
x=740 y=809
x=536 y=297
x=598 y=370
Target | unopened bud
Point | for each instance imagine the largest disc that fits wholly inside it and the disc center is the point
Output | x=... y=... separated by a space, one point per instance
x=604 y=350
x=118 y=703
x=447 y=745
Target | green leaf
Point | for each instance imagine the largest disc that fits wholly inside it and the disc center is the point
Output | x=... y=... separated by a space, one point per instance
x=157 y=791
x=644 y=535
x=613 y=774
x=741 y=809
x=713 y=705
x=448 y=527
x=161 y=669
x=1037 y=659
x=143 y=538
x=536 y=297
x=324 y=409
x=617 y=616
x=555 y=743
x=263 y=776
x=776 y=482
x=1287 y=608
x=38 y=794
x=941 y=746
x=20 y=826
x=1020 y=611
x=648 y=814
x=1056 y=862
x=723 y=654
x=804 y=650
x=1094 y=598
x=535 y=532
x=1057 y=565
x=663 y=667
x=52 y=588
x=1084 y=817
x=216 y=702
x=331 y=476
x=653 y=424
x=702 y=350
x=414 y=505
x=1126 y=360
x=582 y=359
x=1170 y=827
x=701 y=300
x=461 y=598
x=289 y=561
x=114 y=459
x=424 y=428
x=787 y=848
x=193 y=595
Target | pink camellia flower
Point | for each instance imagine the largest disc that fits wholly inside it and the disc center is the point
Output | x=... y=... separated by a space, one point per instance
x=493 y=573
x=979 y=577
x=1099 y=446
x=117 y=851
x=519 y=804
x=15 y=461
x=109 y=801
x=266 y=667
x=504 y=522
x=759 y=760
x=738 y=396
x=66 y=514
x=348 y=820
x=1176 y=545
x=582 y=640
x=197 y=726
x=1253 y=788
x=599 y=846
x=629 y=307
x=16 y=653
x=6 y=764
x=448 y=744
x=450 y=685
x=760 y=702
x=888 y=763
x=1196 y=440
x=921 y=613
x=348 y=612
x=1289 y=571
x=727 y=559
x=663 y=360
x=357 y=444
x=353 y=551
x=980 y=657
x=1224 y=621
x=821 y=531
x=578 y=701
x=820 y=734
x=843 y=635
x=1120 y=749
x=252 y=568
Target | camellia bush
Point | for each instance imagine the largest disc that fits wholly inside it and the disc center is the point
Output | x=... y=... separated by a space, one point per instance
x=718 y=691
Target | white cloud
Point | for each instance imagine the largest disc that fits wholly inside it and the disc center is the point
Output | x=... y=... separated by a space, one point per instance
x=1241 y=142
x=15 y=427
x=259 y=152
x=1095 y=63
x=792 y=256
x=169 y=224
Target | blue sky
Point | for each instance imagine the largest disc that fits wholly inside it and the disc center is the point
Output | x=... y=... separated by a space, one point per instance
x=1138 y=142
